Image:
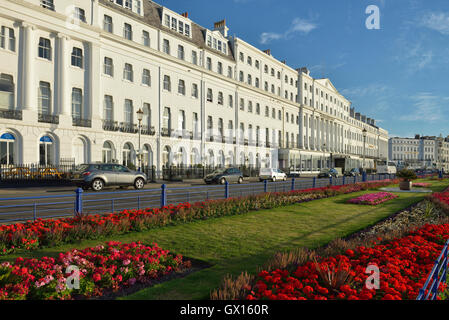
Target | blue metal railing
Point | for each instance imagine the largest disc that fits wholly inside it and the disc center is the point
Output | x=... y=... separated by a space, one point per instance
x=437 y=276
x=33 y=208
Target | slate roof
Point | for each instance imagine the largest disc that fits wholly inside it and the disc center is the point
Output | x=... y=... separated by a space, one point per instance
x=153 y=17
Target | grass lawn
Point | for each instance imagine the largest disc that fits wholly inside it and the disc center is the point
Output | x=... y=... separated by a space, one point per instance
x=243 y=243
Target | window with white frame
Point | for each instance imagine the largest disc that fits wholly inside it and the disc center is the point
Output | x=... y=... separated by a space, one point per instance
x=210 y=96
x=128 y=72
x=167 y=83
x=182 y=87
x=209 y=63
x=44 y=98
x=44 y=49
x=220 y=68
x=108 y=112
x=107 y=24
x=180 y=52
x=7 y=90
x=145 y=38
x=79 y=14
x=146 y=77
x=77 y=57
x=194 y=57
x=7 y=39
x=108 y=66
x=77 y=103
x=194 y=90
x=220 y=98
x=166 y=46
x=127 y=31
x=128 y=116
x=231 y=101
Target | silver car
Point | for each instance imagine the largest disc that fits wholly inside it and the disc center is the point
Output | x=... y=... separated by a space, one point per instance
x=98 y=176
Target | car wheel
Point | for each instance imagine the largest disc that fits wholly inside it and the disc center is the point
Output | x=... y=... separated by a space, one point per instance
x=240 y=180
x=223 y=181
x=139 y=184
x=97 y=185
x=285 y=178
x=273 y=179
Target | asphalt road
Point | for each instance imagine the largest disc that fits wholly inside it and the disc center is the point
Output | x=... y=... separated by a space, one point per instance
x=20 y=203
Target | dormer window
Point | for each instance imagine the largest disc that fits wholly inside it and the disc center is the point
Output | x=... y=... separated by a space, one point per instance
x=176 y=24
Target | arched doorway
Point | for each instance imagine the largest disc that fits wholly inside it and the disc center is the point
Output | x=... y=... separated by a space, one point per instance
x=167 y=157
x=80 y=151
x=46 y=151
x=108 y=152
x=128 y=155
x=8 y=149
x=147 y=156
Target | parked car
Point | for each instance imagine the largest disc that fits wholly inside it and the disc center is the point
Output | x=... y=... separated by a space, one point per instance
x=328 y=173
x=352 y=173
x=98 y=176
x=272 y=174
x=221 y=176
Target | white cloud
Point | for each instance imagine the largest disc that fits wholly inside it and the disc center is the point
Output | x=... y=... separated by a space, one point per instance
x=298 y=25
x=427 y=107
x=438 y=21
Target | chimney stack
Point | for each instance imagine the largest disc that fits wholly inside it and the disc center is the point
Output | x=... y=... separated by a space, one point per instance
x=185 y=14
x=221 y=26
x=268 y=51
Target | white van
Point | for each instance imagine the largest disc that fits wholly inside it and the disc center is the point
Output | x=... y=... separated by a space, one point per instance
x=272 y=174
x=387 y=168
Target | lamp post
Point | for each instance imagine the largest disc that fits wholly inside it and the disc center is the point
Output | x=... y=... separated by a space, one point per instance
x=139 y=118
x=324 y=155
x=364 y=148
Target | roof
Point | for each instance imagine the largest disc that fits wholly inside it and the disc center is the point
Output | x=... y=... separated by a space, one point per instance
x=152 y=16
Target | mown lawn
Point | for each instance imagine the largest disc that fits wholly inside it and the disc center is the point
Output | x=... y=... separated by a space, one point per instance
x=243 y=243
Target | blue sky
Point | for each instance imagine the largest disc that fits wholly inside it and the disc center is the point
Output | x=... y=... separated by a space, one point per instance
x=398 y=74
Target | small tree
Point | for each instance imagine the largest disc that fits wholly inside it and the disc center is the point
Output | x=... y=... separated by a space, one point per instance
x=407 y=175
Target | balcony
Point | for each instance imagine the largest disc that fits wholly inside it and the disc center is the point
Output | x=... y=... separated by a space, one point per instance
x=11 y=114
x=79 y=122
x=48 y=4
x=196 y=136
x=128 y=127
x=183 y=134
x=109 y=125
x=166 y=132
x=48 y=118
x=147 y=131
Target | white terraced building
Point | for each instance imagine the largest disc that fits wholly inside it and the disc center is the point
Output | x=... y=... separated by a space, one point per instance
x=74 y=73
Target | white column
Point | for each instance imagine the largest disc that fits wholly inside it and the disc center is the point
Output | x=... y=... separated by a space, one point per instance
x=29 y=94
x=64 y=87
x=301 y=128
x=95 y=111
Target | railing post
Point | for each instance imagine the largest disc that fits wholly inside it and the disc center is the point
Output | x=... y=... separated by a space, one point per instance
x=79 y=201
x=314 y=182
x=163 y=195
x=330 y=181
x=355 y=179
x=34 y=211
x=265 y=186
x=344 y=180
x=227 y=190
x=446 y=264
x=293 y=184
x=364 y=177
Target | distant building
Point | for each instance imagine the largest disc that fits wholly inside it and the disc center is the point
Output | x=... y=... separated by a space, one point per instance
x=423 y=152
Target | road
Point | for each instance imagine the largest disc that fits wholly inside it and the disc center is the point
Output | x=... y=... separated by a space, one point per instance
x=60 y=201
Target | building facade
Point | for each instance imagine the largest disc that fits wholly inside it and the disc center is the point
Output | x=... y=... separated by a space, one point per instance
x=73 y=75
x=421 y=152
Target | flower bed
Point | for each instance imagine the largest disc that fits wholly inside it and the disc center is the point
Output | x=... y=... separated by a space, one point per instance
x=421 y=185
x=373 y=199
x=52 y=232
x=404 y=264
x=102 y=269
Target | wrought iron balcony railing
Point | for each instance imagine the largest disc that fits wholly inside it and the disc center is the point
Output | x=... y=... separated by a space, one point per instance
x=148 y=131
x=48 y=118
x=79 y=122
x=128 y=127
x=109 y=125
x=11 y=114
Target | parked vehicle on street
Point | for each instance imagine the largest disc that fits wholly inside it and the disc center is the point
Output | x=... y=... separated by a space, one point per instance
x=221 y=176
x=355 y=172
x=386 y=168
x=272 y=174
x=98 y=176
x=328 y=173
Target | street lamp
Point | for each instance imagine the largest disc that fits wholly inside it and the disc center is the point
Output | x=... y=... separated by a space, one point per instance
x=364 y=148
x=324 y=156
x=139 y=118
